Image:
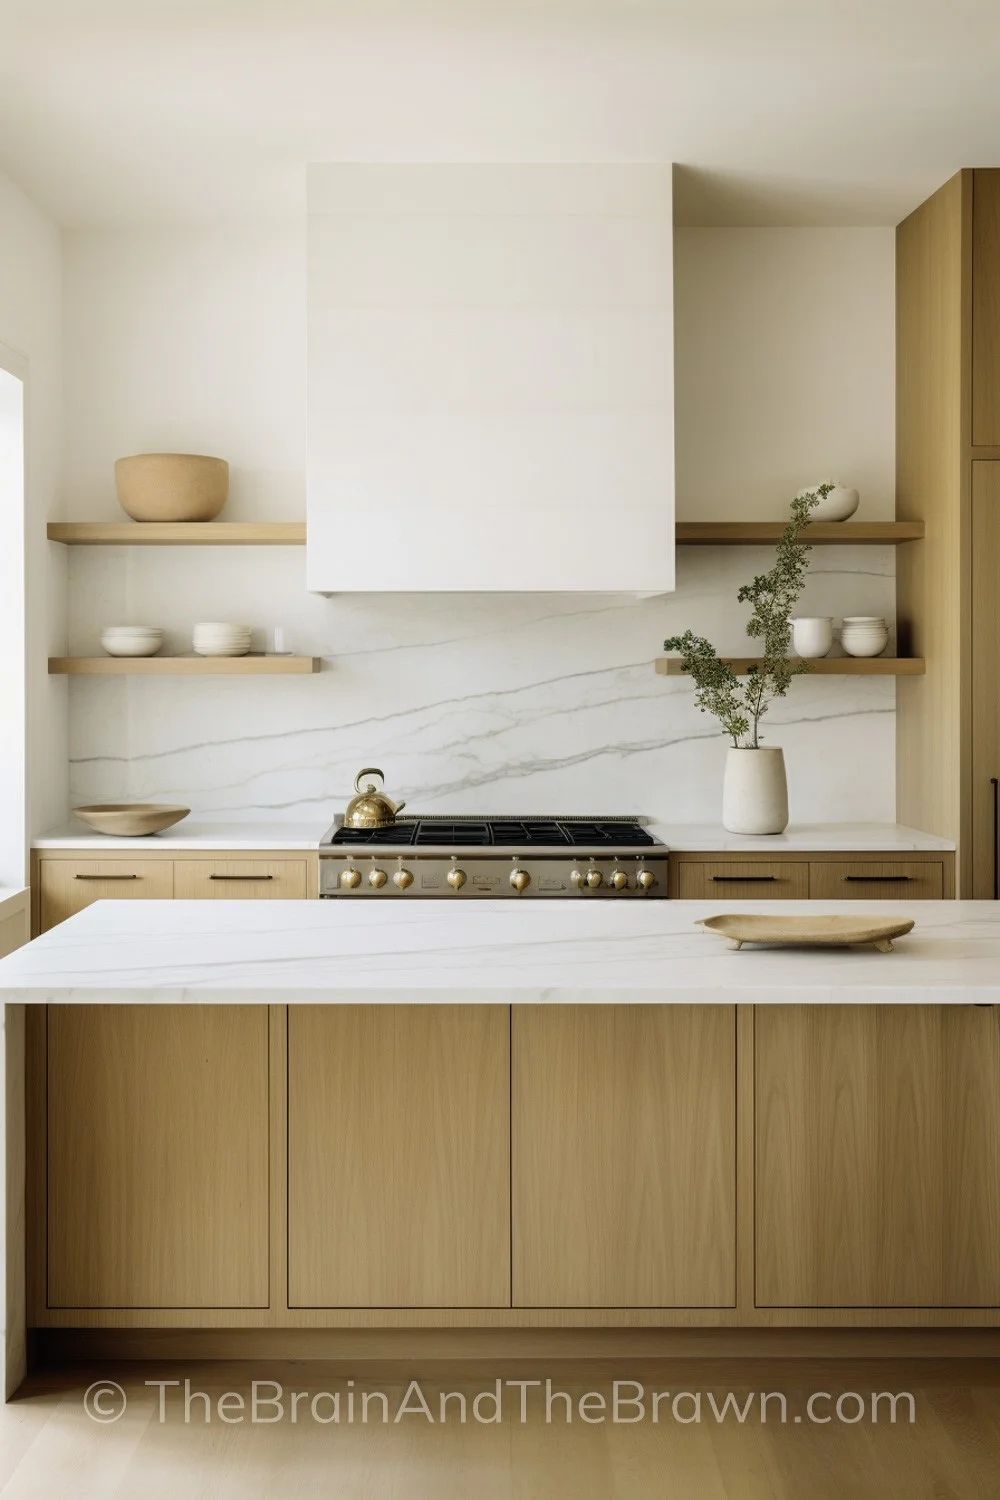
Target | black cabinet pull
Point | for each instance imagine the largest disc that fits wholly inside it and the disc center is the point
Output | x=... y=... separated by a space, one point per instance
x=241 y=877
x=890 y=878
x=743 y=879
x=995 y=784
x=107 y=877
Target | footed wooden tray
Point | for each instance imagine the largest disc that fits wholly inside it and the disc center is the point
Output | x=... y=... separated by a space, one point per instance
x=813 y=932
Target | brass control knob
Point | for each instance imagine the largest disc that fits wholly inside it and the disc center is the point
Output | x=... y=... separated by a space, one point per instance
x=577 y=879
x=402 y=879
x=350 y=878
x=594 y=879
x=520 y=879
x=619 y=880
x=377 y=878
x=645 y=879
x=456 y=879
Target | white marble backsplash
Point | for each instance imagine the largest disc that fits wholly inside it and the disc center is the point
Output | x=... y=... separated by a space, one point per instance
x=490 y=703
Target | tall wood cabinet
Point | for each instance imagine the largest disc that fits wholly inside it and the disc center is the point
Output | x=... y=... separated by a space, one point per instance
x=947 y=458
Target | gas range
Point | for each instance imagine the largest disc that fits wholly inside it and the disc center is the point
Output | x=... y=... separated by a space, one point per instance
x=465 y=856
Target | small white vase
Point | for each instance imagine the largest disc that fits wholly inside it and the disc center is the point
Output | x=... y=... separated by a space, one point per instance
x=755 y=791
x=812 y=637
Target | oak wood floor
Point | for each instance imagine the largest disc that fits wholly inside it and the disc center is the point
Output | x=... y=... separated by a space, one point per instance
x=49 y=1447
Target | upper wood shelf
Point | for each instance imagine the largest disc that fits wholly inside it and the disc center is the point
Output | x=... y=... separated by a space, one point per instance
x=178 y=533
x=182 y=666
x=844 y=533
x=829 y=666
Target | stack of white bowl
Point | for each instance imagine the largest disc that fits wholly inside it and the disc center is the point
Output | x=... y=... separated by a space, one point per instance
x=214 y=639
x=864 y=635
x=131 y=640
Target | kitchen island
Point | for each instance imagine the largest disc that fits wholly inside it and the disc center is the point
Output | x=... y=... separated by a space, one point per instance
x=293 y=1120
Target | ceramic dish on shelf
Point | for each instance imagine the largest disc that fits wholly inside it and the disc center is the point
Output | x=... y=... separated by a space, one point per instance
x=131 y=820
x=864 y=635
x=131 y=640
x=811 y=932
x=217 y=639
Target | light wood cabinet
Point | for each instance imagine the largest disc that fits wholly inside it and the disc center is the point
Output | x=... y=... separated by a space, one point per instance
x=157 y=1156
x=877 y=1156
x=398 y=1156
x=750 y=880
x=624 y=1156
x=876 y=880
x=986 y=676
x=233 y=879
x=66 y=886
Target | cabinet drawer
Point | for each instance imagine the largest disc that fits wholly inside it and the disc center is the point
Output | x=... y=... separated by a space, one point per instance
x=751 y=880
x=876 y=880
x=68 y=885
x=240 y=879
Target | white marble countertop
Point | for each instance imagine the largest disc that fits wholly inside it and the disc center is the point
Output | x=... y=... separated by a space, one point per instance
x=818 y=838
x=436 y=951
x=188 y=835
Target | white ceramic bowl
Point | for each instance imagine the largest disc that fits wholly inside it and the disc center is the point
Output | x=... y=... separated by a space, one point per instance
x=131 y=640
x=812 y=637
x=839 y=505
x=864 y=636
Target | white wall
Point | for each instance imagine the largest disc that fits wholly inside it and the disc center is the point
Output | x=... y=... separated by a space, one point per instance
x=30 y=317
x=470 y=702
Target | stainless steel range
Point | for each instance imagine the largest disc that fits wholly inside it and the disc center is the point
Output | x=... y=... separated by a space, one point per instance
x=493 y=856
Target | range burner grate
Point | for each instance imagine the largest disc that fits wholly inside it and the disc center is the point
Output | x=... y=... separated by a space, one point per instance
x=483 y=833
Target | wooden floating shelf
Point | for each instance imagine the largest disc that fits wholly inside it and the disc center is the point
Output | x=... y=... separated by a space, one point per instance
x=178 y=533
x=828 y=666
x=183 y=666
x=844 y=533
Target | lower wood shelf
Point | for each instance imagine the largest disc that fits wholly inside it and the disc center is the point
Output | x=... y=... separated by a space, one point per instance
x=183 y=666
x=828 y=666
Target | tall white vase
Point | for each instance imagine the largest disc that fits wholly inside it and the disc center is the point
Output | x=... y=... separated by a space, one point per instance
x=755 y=792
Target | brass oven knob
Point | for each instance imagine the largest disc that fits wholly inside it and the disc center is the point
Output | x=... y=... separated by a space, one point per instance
x=594 y=879
x=350 y=878
x=455 y=878
x=645 y=879
x=377 y=878
x=520 y=879
x=577 y=879
x=402 y=878
x=619 y=880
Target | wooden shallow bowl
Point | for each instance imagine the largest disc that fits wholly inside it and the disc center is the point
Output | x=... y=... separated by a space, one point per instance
x=812 y=932
x=131 y=819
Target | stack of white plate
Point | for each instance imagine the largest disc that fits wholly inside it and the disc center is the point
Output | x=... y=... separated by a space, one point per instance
x=214 y=639
x=131 y=640
x=864 y=635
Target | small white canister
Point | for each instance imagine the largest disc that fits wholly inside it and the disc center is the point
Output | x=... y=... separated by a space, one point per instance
x=812 y=636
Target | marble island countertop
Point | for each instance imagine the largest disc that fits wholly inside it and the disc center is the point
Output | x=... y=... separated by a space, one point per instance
x=542 y=951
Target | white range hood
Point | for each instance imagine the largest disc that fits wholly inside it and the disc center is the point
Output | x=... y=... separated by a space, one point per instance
x=490 y=378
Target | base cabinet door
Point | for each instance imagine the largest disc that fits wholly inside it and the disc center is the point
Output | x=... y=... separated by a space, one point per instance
x=240 y=879
x=66 y=886
x=157 y=1156
x=398 y=1156
x=877 y=1156
x=624 y=1155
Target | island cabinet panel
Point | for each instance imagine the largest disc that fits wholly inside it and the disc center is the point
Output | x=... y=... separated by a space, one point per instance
x=624 y=1156
x=399 y=1156
x=66 y=886
x=877 y=1156
x=157 y=1156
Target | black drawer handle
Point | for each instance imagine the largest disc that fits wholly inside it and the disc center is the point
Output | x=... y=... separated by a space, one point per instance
x=890 y=878
x=241 y=877
x=107 y=877
x=743 y=879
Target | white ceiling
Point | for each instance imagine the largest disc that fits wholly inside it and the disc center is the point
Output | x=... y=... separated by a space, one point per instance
x=783 y=111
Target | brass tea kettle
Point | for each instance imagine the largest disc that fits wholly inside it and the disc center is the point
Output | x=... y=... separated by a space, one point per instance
x=371 y=808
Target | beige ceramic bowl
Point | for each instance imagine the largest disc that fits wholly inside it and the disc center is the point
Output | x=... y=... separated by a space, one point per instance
x=171 y=486
x=131 y=819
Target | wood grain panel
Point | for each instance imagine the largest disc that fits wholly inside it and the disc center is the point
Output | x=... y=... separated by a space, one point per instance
x=398 y=1156
x=985 y=674
x=235 y=879
x=933 y=278
x=986 y=308
x=878 y=1156
x=178 y=533
x=876 y=880
x=624 y=1155
x=748 y=880
x=157 y=1156
x=68 y=885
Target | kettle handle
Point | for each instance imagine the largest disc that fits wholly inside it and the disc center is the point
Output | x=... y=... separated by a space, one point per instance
x=368 y=771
